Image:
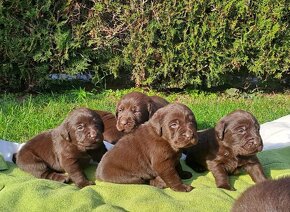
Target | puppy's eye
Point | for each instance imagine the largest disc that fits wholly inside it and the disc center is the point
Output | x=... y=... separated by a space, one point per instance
x=173 y=125
x=80 y=127
x=120 y=109
x=249 y=144
x=242 y=130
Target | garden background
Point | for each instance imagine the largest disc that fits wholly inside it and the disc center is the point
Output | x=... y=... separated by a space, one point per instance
x=156 y=44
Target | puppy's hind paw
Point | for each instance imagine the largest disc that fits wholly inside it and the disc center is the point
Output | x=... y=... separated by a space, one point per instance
x=85 y=183
x=63 y=178
x=227 y=187
x=183 y=188
x=158 y=182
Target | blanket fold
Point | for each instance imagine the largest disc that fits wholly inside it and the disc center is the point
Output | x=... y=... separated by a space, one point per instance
x=20 y=191
x=3 y=164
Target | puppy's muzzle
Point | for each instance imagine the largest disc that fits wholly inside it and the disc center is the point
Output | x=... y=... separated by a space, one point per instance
x=255 y=143
x=125 y=124
x=190 y=136
x=94 y=135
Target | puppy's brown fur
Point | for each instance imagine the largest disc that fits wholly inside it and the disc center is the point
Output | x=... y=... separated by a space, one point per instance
x=111 y=133
x=132 y=110
x=268 y=196
x=136 y=100
x=65 y=149
x=151 y=153
x=231 y=145
x=135 y=108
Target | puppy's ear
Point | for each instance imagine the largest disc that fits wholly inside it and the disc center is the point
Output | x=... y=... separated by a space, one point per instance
x=63 y=131
x=220 y=129
x=102 y=127
x=152 y=108
x=156 y=123
x=117 y=108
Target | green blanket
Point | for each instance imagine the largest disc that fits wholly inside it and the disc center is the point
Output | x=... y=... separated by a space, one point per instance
x=20 y=191
x=3 y=164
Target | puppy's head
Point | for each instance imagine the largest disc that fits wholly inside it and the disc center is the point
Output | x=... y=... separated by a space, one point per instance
x=84 y=128
x=132 y=110
x=176 y=124
x=239 y=130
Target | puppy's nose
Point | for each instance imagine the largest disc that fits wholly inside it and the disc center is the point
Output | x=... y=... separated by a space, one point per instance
x=260 y=148
x=93 y=134
x=188 y=134
x=257 y=141
x=259 y=144
x=124 y=122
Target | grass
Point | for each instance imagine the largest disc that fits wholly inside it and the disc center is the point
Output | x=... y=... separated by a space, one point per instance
x=22 y=117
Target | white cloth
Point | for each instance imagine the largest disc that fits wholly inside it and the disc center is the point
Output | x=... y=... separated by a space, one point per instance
x=108 y=145
x=7 y=149
x=275 y=134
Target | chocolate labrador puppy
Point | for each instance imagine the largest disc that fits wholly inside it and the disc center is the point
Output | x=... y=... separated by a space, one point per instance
x=151 y=153
x=135 y=108
x=231 y=145
x=65 y=148
x=268 y=196
x=142 y=103
x=132 y=110
x=111 y=133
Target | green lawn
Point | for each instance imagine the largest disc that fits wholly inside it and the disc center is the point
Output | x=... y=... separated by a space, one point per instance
x=23 y=117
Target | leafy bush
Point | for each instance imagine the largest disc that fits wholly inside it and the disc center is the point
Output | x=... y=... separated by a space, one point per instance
x=160 y=44
x=205 y=42
x=43 y=37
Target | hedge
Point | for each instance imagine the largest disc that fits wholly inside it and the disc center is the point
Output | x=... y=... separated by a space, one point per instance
x=160 y=44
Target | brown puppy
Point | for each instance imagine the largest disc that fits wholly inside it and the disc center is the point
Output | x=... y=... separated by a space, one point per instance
x=231 y=145
x=268 y=196
x=111 y=133
x=132 y=110
x=151 y=153
x=65 y=148
x=135 y=108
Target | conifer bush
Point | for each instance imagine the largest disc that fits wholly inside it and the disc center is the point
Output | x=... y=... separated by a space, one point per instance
x=160 y=44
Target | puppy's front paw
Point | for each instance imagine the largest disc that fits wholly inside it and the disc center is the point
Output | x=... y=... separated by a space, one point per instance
x=85 y=183
x=63 y=178
x=183 y=188
x=227 y=187
x=185 y=175
x=158 y=182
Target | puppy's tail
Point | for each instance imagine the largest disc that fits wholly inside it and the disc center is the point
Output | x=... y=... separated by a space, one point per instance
x=14 y=158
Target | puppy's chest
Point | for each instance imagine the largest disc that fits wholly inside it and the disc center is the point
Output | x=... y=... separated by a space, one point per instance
x=229 y=163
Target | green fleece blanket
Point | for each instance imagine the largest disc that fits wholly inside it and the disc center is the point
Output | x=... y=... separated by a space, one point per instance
x=3 y=164
x=20 y=191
